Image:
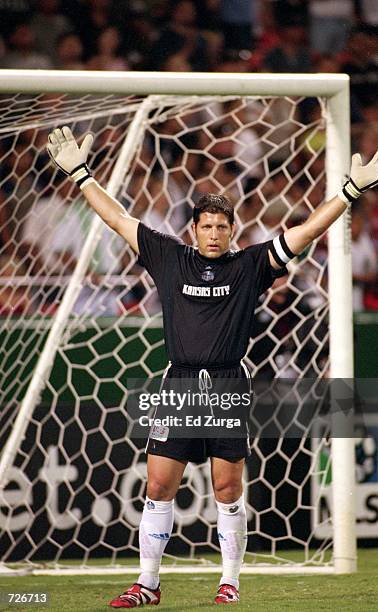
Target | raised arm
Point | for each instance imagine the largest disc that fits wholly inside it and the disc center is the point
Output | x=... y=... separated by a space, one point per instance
x=297 y=238
x=71 y=159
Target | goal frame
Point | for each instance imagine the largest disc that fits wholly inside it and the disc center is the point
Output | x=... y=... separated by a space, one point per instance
x=333 y=87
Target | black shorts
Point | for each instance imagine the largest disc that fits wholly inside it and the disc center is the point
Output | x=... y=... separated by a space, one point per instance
x=197 y=450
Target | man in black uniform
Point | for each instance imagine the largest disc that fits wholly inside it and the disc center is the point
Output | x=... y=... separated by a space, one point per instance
x=208 y=296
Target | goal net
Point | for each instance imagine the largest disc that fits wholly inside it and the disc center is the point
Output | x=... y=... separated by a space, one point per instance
x=80 y=317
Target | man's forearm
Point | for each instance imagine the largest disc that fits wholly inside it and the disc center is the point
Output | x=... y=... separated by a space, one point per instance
x=323 y=217
x=112 y=213
x=109 y=209
x=299 y=237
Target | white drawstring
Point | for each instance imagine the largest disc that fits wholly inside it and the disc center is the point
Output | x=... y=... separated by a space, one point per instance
x=205 y=383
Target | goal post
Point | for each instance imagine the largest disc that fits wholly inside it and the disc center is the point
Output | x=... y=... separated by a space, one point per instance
x=142 y=99
x=341 y=333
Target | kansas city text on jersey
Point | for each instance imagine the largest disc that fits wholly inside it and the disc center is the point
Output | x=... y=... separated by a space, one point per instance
x=206 y=291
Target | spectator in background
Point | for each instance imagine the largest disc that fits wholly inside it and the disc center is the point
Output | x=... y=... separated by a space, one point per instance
x=138 y=34
x=54 y=231
x=177 y=63
x=269 y=221
x=287 y=11
x=236 y=23
x=209 y=13
x=54 y=235
x=13 y=14
x=18 y=194
x=181 y=36
x=98 y=15
x=296 y=353
x=368 y=13
x=14 y=298
x=292 y=54
x=48 y=24
x=2 y=48
x=76 y=12
x=330 y=24
x=155 y=215
x=108 y=55
x=233 y=60
x=246 y=143
x=69 y=52
x=364 y=258
x=22 y=53
x=360 y=61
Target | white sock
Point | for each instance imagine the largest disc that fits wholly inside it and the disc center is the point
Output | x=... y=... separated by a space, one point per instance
x=154 y=532
x=232 y=534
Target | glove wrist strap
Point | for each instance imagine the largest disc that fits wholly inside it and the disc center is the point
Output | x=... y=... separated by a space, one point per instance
x=81 y=174
x=349 y=192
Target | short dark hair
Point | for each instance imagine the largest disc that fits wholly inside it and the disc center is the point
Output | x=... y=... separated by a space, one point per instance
x=213 y=203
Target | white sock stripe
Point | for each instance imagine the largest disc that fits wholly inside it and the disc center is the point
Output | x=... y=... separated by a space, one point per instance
x=279 y=250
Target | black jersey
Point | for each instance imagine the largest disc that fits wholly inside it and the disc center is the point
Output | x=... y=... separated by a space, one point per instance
x=208 y=304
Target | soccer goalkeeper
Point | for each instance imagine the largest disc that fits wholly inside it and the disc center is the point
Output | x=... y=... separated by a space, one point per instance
x=208 y=296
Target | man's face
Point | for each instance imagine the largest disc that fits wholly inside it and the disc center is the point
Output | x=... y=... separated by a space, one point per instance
x=213 y=233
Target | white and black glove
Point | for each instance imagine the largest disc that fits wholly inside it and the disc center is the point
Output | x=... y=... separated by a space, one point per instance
x=361 y=178
x=69 y=157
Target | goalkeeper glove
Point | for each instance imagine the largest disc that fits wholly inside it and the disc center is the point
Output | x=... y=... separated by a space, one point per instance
x=69 y=157
x=361 y=178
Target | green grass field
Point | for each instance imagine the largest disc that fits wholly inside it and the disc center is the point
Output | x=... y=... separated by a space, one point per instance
x=357 y=592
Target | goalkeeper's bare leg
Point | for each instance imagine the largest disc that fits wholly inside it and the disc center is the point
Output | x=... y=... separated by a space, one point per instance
x=163 y=479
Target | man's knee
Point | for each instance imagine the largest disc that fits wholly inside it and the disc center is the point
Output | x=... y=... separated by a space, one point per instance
x=159 y=490
x=163 y=477
x=227 y=491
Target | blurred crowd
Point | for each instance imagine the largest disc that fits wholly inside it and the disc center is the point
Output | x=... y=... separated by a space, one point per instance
x=194 y=35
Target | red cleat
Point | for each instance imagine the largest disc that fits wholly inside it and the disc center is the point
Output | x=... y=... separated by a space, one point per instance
x=137 y=595
x=227 y=594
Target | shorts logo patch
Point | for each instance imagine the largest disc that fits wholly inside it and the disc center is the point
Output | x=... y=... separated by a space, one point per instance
x=150 y=505
x=233 y=509
x=208 y=274
x=159 y=432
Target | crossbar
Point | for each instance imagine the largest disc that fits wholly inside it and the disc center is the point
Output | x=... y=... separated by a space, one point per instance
x=171 y=83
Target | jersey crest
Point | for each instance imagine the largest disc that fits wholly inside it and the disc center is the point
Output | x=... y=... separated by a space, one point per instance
x=208 y=275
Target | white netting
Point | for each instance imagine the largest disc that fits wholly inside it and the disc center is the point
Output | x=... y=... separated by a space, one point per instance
x=76 y=487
